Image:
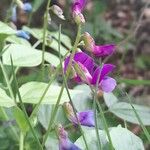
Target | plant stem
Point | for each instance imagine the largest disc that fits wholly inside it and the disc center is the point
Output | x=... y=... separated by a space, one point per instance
x=65 y=81
x=45 y=91
x=24 y=109
x=44 y=34
x=105 y=125
x=62 y=88
x=21 y=143
x=7 y=82
x=96 y=123
x=53 y=115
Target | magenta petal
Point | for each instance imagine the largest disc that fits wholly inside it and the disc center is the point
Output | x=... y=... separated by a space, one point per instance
x=78 y=6
x=89 y=64
x=104 y=50
x=66 y=62
x=106 y=69
x=81 y=57
x=108 y=84
x=96 y=76
x=86 y=118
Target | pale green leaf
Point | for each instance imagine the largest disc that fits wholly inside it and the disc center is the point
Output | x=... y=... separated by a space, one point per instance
x=84 y=100
x=31 y=92
x=110 y=99
x=5 y=100
x=123 y=139
x=45 y=112
x=18 y=40
x=24 y=56
x=125 y=111
x=6 y=30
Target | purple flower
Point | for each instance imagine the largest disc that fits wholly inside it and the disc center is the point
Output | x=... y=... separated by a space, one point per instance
x=85 y=118
x=64 y=142
x=97 y=50
x=77 y=7
x=23 y=34
x=92 y=72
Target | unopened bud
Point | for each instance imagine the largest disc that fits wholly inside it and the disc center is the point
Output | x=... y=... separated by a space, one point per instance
x=88 y=41
x=68 y=110
x=79 y=18
x=58 y=11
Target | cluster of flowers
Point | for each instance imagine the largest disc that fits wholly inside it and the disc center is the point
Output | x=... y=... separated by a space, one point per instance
x=92 y=74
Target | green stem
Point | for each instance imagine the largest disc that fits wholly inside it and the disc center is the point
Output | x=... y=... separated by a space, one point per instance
x=62 y=88
x=24 y=109
x=11 y=78
x=53 y=115
x=35 y=110
x=65 y=81
x=21 y=143
x=96 y=124
x=105 y=125
x=44 y=34
x=7 y=82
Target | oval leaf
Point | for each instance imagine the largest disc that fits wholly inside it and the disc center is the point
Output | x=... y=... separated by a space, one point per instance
x=5 y=100
x=125 y=111
x=31 y=92
x=24 y=56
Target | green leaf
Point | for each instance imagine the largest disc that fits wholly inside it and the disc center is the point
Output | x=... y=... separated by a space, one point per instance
x=110 y=99
x=63 y=38
x=84 y=100
x=21 y=120
x=52 y=39
x=124 y=139
x=5 y=100
x=18 y=40
x=52 y=59
x=124 y=110
x=91 y=139
x=52 y=142
x=44 y=115
x=6 y=30
x=24 y=56
x=31 y=93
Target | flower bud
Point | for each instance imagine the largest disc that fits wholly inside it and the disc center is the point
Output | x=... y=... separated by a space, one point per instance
x=88 y=41
x=69 y=111
x=58 y=11
x=79 y=18
x=64 y=141
x=83 y=72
